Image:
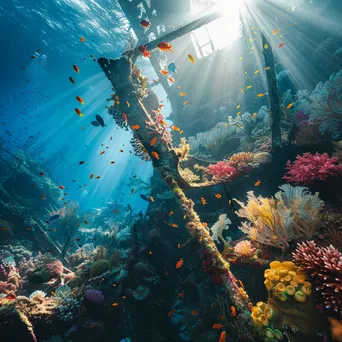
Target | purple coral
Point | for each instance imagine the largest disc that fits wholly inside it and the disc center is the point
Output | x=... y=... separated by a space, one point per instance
x=310 y=167
x=94 y=296
x=325 y=266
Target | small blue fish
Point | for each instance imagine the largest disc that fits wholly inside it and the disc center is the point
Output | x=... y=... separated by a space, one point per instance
x=145 y=198
x=172 y=68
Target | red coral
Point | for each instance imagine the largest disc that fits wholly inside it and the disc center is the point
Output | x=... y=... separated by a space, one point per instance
x=325 y=266
x=222 y=171
x=310 y=167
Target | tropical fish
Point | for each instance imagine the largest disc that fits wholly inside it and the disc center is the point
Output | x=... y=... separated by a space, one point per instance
x=268 y=68
x=276 y=31
x=217 y=326
x=124 y=115
x=91 y=176
x=95 y=123
x=164 y=46
x=115 y=304
x=182 y=94
x=78 y=112
x=191 y=58
x=82 y=162
x=289 y=105
x=233 y=310
x=185 y=103
x=256 y=72
x=72 y=80
x=76 y=68
x=102 y=152
x=100 y=120
x=82 y=39
x=112 y=162
x=144 y=197
x=171 y=79
x=151 y=199
x=128 y=104
x=143 y=50
x=33 y=57
x=249 y=87
x=218 y=196
x=242 y=91
x=175 y=128
x=261 y=95
x=172 y=68
x=170 y=313
x=135 y=127
x=179 y=263
x=204 y=202
x=145 y=23
x=80 y=100
x=97 y=177
x=223 y=337
x=194 y=313
x=171 y=213
x=174 y=225
x=164 y=72
x=153 y=141
x=155 y=155
x=281 y=45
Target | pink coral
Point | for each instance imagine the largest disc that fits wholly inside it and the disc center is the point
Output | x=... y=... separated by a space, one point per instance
x=325 y=266
x=7 y=287
x=310 y=167
x=244 y=249
x=55 y=268
x=222 y=171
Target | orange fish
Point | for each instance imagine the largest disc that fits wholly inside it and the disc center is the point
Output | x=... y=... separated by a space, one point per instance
x=182 y=94
x=155 y=155
x=72 y=80
x=175 y=128
x=78 y=112
x=179 y=263
x=135 y=127
x=124 y=116
x=179 y=245
x=257 y=183
x=170 y=313
x=151 y=199
x=82 y=39
x=76 y=68
x=115 y=304
x=164 y=72
x=185 y=103
x=164 y=46
x=143 y=50
x=232 y=308
x=275 y=31
x=217 y=326
x=79 y=99
x=223 y=337
x=102 y=152
x=161 y=106
x=281 y=45
x=241 y=284
x=194 y=313
x=153 y=141
x=261 y=95
x=204 y=202
x=218 y=196
x=121 y=151
x=174 y=225
x=171 y=213
x=145 y=24
x=268 y=68
x=61 y=187
x=289 y=105
x=205 y=224
x=162 y=122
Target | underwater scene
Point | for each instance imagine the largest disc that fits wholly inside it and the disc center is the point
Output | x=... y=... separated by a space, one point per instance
x=171 y=170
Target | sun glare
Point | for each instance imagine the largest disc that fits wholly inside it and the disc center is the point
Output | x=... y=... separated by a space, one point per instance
x=221 y=32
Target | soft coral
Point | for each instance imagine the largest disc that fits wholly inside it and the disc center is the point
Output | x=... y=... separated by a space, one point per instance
x=311 y=167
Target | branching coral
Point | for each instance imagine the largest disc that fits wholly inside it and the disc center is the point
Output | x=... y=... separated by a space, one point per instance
x=217 y=229
x=325 y=266
x=157 y=127
x=311 y=167
x=222 y=171
x=292 y=214
x=139 y=149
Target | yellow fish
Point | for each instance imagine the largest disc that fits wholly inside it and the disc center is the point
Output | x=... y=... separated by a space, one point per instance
x=256 y=72
x=238 y=106
x=191 y=59
x=261 y=95
x=242 y=91
x=289 y=105
x=249 y=87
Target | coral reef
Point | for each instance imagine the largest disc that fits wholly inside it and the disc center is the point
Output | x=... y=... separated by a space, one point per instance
x=311 y=167
x=324 y=264
x=222 y=171
x=94 y=296
x=218 y=228
x=139 y=149
x=292 y=214
x=244 y=249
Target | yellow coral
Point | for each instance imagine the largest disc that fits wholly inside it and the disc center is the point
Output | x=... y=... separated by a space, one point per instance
x=280 y=288
x=300 y=297
x=290 y=290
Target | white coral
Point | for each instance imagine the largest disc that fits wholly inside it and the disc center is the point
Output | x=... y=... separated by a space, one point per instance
x=217 y=229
